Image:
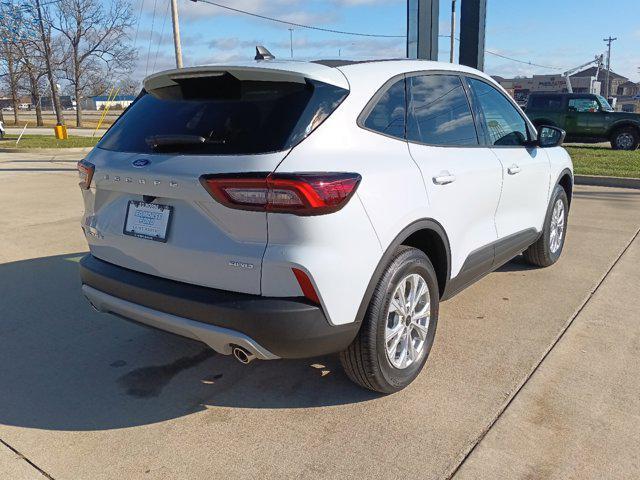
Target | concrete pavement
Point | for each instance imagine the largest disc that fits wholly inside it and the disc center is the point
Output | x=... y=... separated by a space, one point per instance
x=579 y=414
x=90 y=396
x=75 y=132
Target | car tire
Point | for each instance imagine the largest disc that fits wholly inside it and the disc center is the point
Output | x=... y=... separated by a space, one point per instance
x=547 y=249
x=626 y=138
x=368 y=360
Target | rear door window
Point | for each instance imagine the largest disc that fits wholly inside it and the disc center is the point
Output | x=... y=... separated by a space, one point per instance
x=223 y=116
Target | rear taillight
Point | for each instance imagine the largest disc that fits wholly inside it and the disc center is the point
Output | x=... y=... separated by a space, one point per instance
x=297 y=193
x=85 y=171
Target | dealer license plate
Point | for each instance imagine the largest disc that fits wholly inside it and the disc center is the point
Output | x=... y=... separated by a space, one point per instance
x=147 y=220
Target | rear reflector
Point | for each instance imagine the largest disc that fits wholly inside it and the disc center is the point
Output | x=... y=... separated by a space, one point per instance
x=297 y=193
x=306 y=285
x=85 y=171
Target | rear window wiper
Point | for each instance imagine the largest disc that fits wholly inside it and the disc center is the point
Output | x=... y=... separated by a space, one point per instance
x=161 y=141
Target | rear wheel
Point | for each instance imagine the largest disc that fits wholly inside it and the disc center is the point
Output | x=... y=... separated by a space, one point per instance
x=626 y=138
x=398 y=330
x=548 y=248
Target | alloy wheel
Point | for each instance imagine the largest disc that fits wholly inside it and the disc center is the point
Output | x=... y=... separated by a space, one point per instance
x=408 y=319
x=557 y=226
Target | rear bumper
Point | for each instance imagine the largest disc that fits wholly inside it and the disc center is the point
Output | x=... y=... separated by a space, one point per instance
x=268 y=327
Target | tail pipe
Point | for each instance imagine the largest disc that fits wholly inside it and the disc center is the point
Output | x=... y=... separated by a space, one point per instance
x=243 y=355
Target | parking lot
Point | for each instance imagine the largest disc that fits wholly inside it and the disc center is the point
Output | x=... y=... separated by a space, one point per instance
x=534 y=373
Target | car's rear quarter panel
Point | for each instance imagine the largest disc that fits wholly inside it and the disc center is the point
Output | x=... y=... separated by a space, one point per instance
x=340 y=251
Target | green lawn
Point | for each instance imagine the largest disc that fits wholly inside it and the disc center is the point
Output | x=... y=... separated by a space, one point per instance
x=46 y=141
x=605 y=161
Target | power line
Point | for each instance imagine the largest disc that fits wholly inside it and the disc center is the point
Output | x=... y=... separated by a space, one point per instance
x=359 y=34
x=153 y=20
x=164 y=21
x=521 y=61
x=496 y=54
x=300 y=25
x=135 y=40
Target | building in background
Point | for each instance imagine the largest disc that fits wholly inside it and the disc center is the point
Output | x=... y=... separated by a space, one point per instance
x=120 y=102
x=520 y=87
x=66 y=102
x=584 y=81
x=614 y=79
x=628 y=89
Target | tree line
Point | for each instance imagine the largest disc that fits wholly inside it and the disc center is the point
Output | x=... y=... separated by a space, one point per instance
x=83 y=44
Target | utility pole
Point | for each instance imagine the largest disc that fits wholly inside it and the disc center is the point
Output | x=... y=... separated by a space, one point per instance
x=291 y=40
x=453 y=31
x=607 y=86
x=176 y=32
x=47 y=56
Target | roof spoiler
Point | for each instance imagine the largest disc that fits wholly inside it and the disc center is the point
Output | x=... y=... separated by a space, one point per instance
x=267 y=71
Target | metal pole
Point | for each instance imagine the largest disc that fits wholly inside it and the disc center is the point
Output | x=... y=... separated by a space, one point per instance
x=176 y=32
x=607 y=86
x=422 y=29
x=453 y=31
x=473 y=18
x=291 y=40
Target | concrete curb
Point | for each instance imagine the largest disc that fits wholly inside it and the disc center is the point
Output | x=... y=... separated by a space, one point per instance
x=47 y=150
x=619 y=182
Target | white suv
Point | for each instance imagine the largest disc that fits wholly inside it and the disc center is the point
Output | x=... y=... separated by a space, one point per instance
x=295 y=209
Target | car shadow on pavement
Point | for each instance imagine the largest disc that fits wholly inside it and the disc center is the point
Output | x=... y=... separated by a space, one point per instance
x=517 y=264
x=65 y=367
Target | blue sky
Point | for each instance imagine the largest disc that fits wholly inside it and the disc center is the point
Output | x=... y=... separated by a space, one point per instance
x=558 y=33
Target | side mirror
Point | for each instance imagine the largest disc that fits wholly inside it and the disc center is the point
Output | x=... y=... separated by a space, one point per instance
x=550 y=136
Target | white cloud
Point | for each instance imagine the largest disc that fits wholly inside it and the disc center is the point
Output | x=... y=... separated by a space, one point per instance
x=197 y=11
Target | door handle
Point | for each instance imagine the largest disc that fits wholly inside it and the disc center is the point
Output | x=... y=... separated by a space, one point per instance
x=513 y=169
x=444 y=178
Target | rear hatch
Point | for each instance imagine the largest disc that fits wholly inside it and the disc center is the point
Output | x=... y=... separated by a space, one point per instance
x=146 y=208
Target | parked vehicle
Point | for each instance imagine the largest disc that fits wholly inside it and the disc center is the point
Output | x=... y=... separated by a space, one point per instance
x=586 y=118
x=280 y=209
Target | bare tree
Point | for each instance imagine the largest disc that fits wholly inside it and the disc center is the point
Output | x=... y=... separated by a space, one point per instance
x=45 y=37
x=98 y=44
x=8 y=55
x=128 y=86
x=34 y=68
x=11 y=76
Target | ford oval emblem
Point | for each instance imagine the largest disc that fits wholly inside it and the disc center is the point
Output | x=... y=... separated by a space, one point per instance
x=141 y=162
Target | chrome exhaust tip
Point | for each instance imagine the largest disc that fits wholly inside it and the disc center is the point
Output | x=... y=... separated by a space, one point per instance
x=243 y=355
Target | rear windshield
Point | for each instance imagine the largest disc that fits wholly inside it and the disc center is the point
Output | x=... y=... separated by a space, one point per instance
x=223 y=115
